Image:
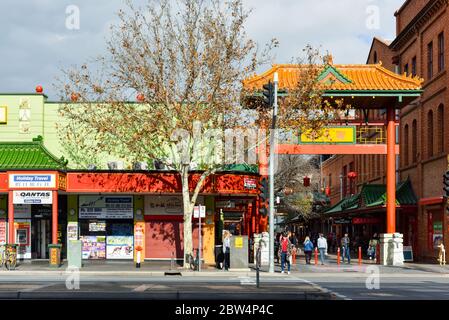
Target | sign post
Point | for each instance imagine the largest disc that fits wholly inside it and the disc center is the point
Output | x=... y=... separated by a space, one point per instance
x=199 y=212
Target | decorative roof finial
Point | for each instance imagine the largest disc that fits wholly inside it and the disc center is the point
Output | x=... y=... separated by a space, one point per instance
x=328 y=59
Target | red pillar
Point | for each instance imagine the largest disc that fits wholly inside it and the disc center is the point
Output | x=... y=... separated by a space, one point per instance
x=54 y=219
x=10 y=218
x=391 y=171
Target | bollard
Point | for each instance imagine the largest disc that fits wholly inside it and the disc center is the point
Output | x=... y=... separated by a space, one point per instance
x=360 y=256
x=316 y=256
x=378 y=253
x=338 y=256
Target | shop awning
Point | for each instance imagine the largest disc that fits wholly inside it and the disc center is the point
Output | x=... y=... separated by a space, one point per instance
x=374 y=195
x=28 y=155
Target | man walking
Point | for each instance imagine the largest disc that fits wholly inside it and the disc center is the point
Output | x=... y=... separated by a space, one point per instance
x=322 y=247
x=345 y=243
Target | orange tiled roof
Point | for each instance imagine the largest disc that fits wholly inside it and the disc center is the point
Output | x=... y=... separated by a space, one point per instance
x=355 y=77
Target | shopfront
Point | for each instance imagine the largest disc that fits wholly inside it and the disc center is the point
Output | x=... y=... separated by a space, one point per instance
x=106 y=226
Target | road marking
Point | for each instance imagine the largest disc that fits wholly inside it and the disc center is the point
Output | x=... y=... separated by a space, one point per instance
x=318 y=287
x=34 y=288
x=142 y=288
x=247 y=281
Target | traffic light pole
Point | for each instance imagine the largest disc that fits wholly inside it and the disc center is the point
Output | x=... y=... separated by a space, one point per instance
x=271 y=172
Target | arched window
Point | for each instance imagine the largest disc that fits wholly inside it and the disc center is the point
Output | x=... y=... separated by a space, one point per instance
x=430 y=134
x=414 y=141
x=405 y=145
x=440 y=133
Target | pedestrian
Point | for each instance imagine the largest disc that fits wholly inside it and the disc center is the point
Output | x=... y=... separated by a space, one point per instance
x=227 y=249
x=294 y=243
x=322 y=247
x=345 y=244
x=308 y=248
x=285 y=252
x=372 y=246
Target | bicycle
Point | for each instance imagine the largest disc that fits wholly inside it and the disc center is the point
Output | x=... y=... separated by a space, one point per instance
x=8 y=257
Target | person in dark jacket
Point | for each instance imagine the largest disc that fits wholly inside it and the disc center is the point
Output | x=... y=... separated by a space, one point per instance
x=308 y=248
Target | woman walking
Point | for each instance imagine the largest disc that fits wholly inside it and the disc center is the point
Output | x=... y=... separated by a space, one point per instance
x=308 y=248
x=285 y=248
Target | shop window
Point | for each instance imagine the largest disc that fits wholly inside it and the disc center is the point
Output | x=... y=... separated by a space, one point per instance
x=430 y=134
x=440 y=52
x=414 y=66
x=440 y=128
x=430 y=60
x=414 y=141
x=405 y=145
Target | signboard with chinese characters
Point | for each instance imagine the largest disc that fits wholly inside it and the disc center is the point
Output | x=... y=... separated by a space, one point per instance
x=330 y=134
x=106 y=207
x=166 y=205
x=2 y=231
x=366 y=221
x=199 y=211
x=24 y=115
x=30 y=181
x=32 y=197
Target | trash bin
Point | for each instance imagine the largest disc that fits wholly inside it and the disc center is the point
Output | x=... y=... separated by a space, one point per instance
x=54 y=251
x=219 y=256
x=11 y=254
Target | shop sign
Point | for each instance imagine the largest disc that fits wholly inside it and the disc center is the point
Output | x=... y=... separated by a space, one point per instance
x=250 y=183
x=105 y=207
x=32 y=180
x=2 y=231
x=166 y=205
x=32 y=197
x=225 y=204
x=238 y=242
x=97 y=226
x=330 y=134
x=365 y=221
x=342 y=221
x=119 y=247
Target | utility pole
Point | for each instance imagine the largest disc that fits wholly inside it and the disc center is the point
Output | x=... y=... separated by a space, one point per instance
x=271 y=171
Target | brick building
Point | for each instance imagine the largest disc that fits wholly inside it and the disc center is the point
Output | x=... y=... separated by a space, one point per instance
x=419 y=49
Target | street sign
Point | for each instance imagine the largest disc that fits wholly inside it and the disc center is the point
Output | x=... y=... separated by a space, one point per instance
x=199 y=210
x=330 y=134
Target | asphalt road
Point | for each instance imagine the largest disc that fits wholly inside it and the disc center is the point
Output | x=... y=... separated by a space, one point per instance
x=297 y=286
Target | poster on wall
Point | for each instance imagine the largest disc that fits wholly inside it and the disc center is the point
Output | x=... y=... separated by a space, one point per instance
x=106 y=207
x=23 y=238
x=22 y=211
x=2 y=231
x=166 y=205
x=72 y=231
x=119 y=247
x=94 y=247
x=437 y=233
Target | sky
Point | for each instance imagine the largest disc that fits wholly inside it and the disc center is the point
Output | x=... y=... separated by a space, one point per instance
x=36 y=42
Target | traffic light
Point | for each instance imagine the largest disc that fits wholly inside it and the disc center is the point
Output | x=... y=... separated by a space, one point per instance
x=264 y=190
x=268 y=94
x=446 y=184
x=264 y=196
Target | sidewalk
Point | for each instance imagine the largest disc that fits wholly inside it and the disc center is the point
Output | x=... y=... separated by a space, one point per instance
x=161 y=268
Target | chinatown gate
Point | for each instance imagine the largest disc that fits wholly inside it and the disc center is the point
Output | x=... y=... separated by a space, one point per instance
x=365 y=88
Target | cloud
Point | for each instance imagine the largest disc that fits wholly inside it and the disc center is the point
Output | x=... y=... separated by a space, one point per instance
x=35 y=42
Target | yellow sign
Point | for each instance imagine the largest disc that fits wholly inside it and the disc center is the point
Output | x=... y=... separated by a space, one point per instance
x=338 y=135
x=53 y=256
x=238 y=242
x=3 y=114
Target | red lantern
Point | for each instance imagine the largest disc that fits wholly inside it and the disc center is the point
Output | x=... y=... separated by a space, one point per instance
x=140 y=97
x=74 y=97
x=328 y=191
x=352 y=175
x=306 y=181
x=39 y=89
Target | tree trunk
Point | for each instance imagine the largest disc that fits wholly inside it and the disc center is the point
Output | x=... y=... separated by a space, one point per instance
x=188 y=245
